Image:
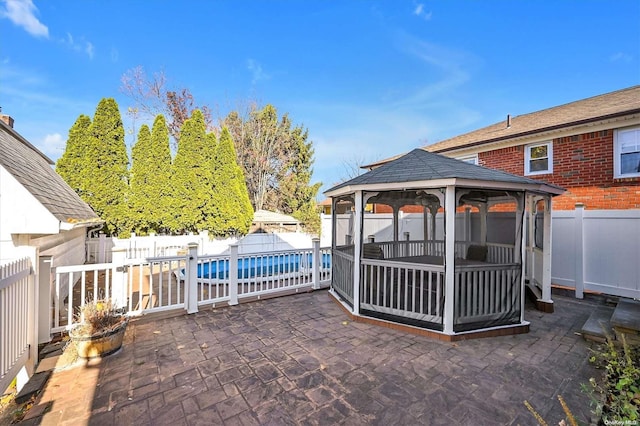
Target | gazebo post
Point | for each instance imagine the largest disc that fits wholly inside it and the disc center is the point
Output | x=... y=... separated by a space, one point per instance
x=531 y=204
x=484 y=208
x=425 y=228
x=449 y=262
x=396 y=229
x=467 y=224
x=546 y=257
x=357 y=247
x=520 y=252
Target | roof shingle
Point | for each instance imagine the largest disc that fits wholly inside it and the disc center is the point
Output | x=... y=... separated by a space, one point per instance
x=600 y=107
x=33 y=170
x=419 y=165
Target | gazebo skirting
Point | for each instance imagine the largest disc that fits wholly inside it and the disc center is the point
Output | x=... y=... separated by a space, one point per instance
x=407 y=290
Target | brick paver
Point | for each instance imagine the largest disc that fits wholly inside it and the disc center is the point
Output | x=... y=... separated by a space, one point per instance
x=298 y=360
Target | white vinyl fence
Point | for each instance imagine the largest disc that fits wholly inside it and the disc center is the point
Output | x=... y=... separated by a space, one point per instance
x=17 y=308
x=99 y=249
x=189 y=281
x=597 y=250
x=592 y=250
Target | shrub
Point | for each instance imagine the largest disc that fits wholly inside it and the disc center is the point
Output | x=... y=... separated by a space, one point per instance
x=97 y=316
x=616 y=397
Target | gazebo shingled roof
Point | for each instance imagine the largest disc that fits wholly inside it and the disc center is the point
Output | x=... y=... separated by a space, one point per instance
x=419 y=165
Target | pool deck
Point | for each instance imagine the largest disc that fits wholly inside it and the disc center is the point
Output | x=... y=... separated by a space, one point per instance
x=300 y=360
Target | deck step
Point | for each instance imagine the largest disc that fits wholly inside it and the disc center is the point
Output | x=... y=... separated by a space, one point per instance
x=626 y=320
x=33 y=386
x=598 y=326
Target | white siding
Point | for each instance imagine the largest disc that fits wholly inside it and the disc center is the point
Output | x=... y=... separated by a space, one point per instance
x=21 y=212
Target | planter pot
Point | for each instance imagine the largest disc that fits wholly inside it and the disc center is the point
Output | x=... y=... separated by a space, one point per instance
x=98 y=345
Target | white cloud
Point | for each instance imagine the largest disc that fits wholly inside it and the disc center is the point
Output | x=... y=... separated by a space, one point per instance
x=22 y=13
x=89 y=49
x=621 y=57
x=449 y=67
x=52 y=145
x=256 y=71
x=82 y=45
x=419 y=11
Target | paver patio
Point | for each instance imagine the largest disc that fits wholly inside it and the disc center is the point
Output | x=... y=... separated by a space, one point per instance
x=299 y=360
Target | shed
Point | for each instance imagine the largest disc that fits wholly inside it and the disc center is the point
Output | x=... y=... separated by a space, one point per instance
x=266 y=221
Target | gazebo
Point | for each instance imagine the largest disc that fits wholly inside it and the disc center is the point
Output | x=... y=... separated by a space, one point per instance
x=454 y=254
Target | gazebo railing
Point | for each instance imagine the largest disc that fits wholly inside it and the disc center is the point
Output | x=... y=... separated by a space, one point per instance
x=342 y=261
x=410 y=290
x=496 y=253
x=487 y=293
x=414 y=293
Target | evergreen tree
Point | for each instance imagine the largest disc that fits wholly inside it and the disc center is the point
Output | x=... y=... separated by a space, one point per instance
x=298 y=196
x=192 y=177
x=149 y=191
x=107 y=163
x=72 y=165
x=230 y=195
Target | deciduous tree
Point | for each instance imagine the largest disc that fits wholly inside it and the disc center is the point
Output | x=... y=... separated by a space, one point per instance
x=272 y=153
x=152 y=96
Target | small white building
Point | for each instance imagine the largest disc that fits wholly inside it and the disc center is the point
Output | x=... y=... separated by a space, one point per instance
x=40 y=215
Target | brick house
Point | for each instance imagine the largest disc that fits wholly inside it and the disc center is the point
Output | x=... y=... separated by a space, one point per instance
x=590 y=147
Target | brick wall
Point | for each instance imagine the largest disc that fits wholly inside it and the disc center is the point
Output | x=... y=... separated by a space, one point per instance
x=583 y=165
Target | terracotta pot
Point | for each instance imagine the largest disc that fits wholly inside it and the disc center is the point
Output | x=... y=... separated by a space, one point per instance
x=99 y=345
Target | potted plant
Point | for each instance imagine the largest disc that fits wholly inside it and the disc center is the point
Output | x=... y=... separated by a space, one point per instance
x=100 y=329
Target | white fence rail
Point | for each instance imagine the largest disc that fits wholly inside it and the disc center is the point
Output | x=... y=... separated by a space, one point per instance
x=17 y=336
x=188 y=281
x=99 y=249
x=597 y=250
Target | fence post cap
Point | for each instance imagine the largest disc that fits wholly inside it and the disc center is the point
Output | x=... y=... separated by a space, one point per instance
x=192 y=245
x=579 y=205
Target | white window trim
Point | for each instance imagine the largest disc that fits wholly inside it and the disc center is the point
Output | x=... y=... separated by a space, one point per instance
x=616 y=155
x=527 y=159
x=466 y=158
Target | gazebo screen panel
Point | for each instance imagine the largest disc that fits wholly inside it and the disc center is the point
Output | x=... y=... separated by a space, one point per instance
x=487 y=292
x=342 y=263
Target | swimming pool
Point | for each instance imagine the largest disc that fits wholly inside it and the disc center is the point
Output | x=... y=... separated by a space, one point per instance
x=262 y=266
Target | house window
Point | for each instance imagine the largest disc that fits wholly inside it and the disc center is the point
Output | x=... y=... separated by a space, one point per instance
x=626 y=144
x=538 y=159
x=472 y=159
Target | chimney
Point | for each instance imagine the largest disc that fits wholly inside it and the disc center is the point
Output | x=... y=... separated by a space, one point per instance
x=508 y=120
x=6 y=118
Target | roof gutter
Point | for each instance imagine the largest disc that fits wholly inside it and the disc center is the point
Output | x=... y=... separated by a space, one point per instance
x=68 y=226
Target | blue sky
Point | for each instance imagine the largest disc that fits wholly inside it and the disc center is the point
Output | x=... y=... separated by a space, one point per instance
x=369 y=79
